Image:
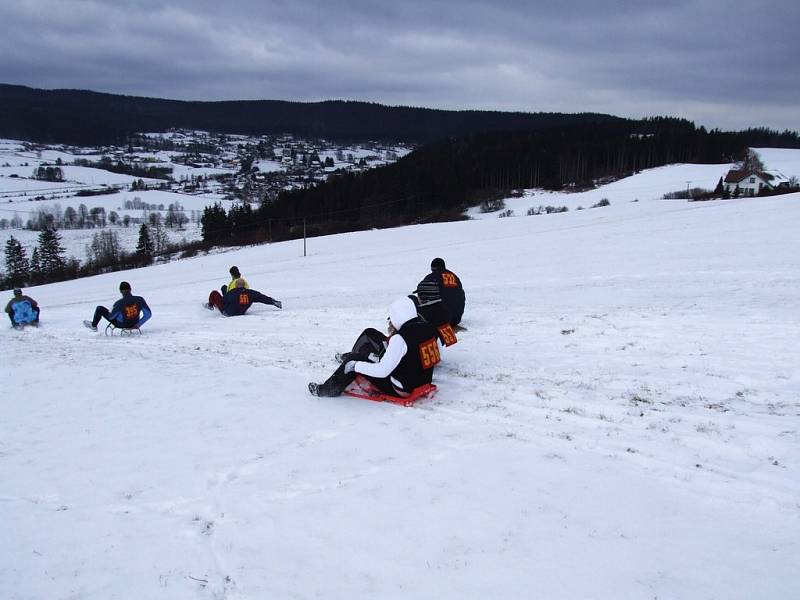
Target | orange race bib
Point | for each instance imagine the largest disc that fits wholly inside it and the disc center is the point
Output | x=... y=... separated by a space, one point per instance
x=449 y=280
x=429 y=353
x=131 y=311
x=243 y=299
x=448 y=335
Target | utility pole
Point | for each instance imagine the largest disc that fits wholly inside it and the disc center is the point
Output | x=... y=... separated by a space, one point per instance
x=687 y=190
x=304 y=237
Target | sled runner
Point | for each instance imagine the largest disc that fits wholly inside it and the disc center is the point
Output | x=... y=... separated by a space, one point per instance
x=362 y=388
x=111 y=328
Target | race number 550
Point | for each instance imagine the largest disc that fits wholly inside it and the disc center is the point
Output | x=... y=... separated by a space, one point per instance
x=429 y=353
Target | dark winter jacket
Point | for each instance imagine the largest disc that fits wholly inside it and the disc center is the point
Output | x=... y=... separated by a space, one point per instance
x=444 y=285
x=235 y=302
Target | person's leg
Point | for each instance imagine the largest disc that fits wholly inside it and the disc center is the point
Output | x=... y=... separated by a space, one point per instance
x=274 y=302
x=37 y=310
x=11 y=316
x=383 y=385
x=335 y=384
x=215 y=300
x=100 y=312
x=370 y=342
x=264 y=299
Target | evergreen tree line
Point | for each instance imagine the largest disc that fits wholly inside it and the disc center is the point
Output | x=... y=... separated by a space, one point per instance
x=90 y=118
x=124 y=168
x=45 y=173
x=439 y=181
x=48 y=264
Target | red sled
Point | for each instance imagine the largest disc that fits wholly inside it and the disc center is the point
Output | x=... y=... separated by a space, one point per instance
x=362 y=388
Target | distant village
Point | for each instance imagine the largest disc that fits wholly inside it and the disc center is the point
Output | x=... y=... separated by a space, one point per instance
x=254 y=169
x=224 y=166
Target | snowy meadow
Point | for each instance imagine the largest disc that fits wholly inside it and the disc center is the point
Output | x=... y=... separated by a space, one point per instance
x=620 y=420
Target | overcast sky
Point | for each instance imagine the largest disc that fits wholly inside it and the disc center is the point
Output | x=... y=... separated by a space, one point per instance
x=721 y=64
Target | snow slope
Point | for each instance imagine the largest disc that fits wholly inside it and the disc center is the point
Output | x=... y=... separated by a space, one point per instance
x=620 y=421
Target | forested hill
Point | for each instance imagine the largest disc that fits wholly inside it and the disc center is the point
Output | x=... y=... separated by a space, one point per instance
x=92 y=118
x=438 y=181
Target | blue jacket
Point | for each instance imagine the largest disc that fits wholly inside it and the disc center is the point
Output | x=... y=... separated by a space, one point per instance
x=22 y=310
x=127 y=311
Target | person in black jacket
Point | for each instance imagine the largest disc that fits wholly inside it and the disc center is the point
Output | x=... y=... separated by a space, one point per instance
x=395 y=365
x=439 y=291
x=127 y=313
x=236 y=301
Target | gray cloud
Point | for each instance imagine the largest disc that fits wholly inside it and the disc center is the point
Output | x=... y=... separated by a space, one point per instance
x=721 y=66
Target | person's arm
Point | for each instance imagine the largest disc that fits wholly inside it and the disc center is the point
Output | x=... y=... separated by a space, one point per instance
x=395 y=352
x=8 y=306
x=428 y=291
x=116 y=311
x=146 y=313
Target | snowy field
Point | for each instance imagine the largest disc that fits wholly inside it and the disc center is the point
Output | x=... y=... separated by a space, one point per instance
x=651 y=184
x=621 y=420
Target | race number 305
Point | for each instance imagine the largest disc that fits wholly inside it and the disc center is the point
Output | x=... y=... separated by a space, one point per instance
x=429 y=353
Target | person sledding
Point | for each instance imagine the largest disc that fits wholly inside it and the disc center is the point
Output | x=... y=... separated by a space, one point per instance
x=129 y=312
x=441 y=295
x=436 y=313
x=235 y=276
x=238 y=299
x=22 y=310
x=397 y=365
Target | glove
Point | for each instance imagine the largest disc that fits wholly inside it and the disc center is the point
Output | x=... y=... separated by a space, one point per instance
x=349 y=366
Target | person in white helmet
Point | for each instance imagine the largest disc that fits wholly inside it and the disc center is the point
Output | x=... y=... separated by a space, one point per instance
x=396 y=364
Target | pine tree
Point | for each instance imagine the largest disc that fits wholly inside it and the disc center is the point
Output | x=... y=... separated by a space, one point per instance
x=16 y=263
x=720 y=189
x=144 y=249
x=215 y=225
x=36 y=267
x=51 y=255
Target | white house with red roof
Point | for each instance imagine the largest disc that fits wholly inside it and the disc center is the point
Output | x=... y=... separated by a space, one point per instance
x=749 y=183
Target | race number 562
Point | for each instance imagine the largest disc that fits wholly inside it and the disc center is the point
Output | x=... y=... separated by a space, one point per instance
x=449 y=280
